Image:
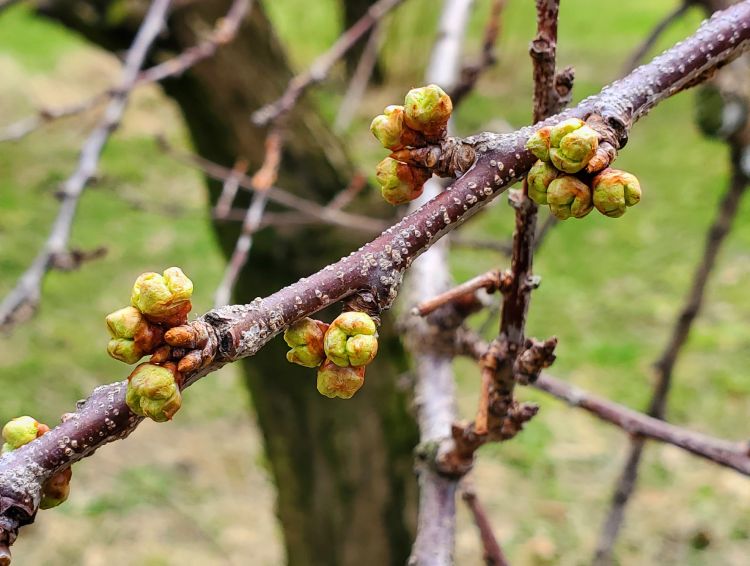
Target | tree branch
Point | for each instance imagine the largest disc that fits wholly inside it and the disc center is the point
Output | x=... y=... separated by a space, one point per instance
x=374 y=272
x=26 y=294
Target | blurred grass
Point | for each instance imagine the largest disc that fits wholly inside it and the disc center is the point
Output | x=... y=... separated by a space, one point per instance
x=610 y=292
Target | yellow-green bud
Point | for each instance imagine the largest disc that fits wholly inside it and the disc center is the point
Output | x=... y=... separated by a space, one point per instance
x=56 y=489
x=400 y=183
x=132 y=335
x=6 y=448
x=351 y=340
x=568 y=196
x=20 y=431
x=153 y=391
x=389 y=126
x=572 y=145
x=305 y=338
x=615 y=191
x=538 y=143
x=337 y=381
x=538 y=180
x=164 y=299
x=427 y=110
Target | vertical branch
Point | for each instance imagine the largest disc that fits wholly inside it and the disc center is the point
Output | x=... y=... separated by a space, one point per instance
x=664 y=366
x=498 y=413
x=429 y=339
x=492 y=553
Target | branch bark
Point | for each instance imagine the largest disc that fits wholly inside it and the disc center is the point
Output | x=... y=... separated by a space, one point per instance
x=374 y=272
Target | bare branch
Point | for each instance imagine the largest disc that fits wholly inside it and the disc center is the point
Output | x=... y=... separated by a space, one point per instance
x=471 y=73
x=492 y=553
x=223 y=33
x=376 y=270
x=24 y=298
x=717 y=233
x=323 y=64
x=491 y=281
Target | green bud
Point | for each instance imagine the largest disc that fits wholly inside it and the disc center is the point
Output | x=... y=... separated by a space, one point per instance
x=20 y=431
x=132 y=335
x=427 y=110
x=400 y=183
x=538 y=143
x=305 y=338
x=351 y=340
x=568 y=196
x=572 y=145
x=337 y=381
x=388 y=127
x=56 y=489
x=538 y=180
x=153 y=391
x=615 y=191
x=6 y=448
x=164 y=299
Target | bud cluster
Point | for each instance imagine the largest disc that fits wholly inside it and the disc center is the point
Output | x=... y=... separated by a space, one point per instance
x=157 y=303
x=422 y=120
x=19 y=432
x=559 y=178
x=340 y=351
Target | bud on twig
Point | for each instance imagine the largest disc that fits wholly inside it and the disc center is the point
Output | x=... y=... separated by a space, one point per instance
x=153 y=391
x=20 y=431
x=615 y=191
x=163 y=299
x=351 y=340
x=568 y=196
x=538 y=180
x=342 y=382
x=400 y=183
x=427 y=110
x=572 y=145
x=305 y=338
x=132 y=335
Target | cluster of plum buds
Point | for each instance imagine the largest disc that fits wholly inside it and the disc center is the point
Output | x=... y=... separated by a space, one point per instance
x=21 y=431
x=422 y=120
x=339 y=350
x=566 y=179
x=157 y=303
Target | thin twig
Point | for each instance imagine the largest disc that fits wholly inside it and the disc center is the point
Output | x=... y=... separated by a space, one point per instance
x=470 y=74
x=717 y=233
x=223 y=33
x=359 y=81
x=490 y=281
x=275 y=194
x=27 y=292
x=323 y=64
x=229 y=189
x=262 y=181
x=641 y=51
x=491 y=551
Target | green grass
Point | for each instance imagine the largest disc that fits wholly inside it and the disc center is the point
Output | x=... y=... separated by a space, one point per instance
x=610 y=292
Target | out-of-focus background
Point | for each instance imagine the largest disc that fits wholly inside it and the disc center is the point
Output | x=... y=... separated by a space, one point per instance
x=198 y=490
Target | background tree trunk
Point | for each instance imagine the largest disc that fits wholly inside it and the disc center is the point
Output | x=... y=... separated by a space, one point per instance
x=346 y=492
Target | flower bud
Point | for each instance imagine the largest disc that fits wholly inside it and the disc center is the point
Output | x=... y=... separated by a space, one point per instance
x=572 y=145
x=351 y=340
x=163 y=299
x=337 y=381
x=132 y=335
x=20 y=431
x=568 y=196
x=388 y=127
x=614 y=191
x=153 y=391
x=538 y=143
x=305 y=338
x=427 y=110
x=538 y=180
x=400 y=183
x=56 y=489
